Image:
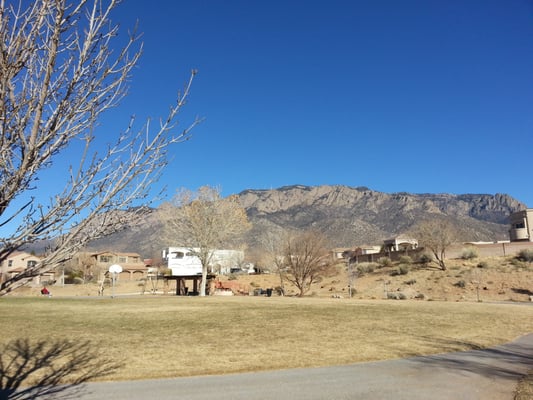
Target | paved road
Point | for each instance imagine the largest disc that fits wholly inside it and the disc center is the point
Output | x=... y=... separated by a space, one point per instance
x=489 y=374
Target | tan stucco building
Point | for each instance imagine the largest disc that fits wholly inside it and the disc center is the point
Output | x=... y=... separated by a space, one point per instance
x=18 y=262
x=133 y=266
x=521 y=226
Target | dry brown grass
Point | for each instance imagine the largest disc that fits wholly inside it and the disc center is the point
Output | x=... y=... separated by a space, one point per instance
x=524 y=390
x=168 y=336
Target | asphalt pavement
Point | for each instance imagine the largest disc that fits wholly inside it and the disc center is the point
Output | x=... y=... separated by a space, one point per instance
x=489 y=374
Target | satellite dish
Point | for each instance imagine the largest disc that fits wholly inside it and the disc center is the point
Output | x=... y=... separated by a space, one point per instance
x=115 y=269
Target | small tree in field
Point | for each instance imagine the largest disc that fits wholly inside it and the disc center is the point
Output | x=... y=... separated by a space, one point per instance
x=306 y=259
x=436 y=235
x=59 y=72
x=204 y=220
x=273 y=243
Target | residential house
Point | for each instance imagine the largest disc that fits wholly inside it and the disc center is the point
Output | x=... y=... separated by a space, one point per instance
x=521 y=226
x=18 y=262
x=400 y=243
x=97 y=263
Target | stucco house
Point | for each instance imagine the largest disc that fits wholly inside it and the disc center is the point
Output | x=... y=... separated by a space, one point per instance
x=400 y=243
x=95 y=263
x=18 y=262
x=521 y=226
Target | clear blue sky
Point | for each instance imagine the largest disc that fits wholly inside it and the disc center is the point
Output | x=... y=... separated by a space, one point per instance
x=422 y=96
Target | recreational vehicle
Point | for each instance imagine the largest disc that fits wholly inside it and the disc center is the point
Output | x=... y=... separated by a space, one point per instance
x=182 y=261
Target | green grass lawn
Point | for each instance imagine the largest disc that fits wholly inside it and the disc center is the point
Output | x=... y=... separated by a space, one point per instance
x=165 y=336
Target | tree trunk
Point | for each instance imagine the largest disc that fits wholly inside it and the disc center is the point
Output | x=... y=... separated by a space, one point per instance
x=203 y=283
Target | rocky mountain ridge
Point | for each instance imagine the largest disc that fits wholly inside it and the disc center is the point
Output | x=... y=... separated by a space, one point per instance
x=351 y=216
x=348 y=216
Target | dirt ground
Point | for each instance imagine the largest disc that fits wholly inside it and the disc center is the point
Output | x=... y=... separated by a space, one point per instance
x=499 y=279
x=462 y=281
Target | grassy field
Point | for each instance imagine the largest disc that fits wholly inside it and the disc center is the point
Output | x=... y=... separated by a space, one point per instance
x=168 y=336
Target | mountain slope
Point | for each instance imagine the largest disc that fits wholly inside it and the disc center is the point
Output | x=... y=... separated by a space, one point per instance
x=350 y=216
x=347 y=216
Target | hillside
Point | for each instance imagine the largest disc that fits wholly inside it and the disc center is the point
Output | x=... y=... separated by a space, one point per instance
x=348 y=216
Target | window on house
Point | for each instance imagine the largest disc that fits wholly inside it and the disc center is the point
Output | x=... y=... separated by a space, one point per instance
x=105 y=258
x=10 y=263
x=122 y=259
x=31 y=263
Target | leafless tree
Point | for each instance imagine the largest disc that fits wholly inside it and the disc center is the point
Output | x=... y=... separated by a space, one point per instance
x=206 y=221
x=59 y=71
x=306 y=259
x=436 y=235
x=274 y=243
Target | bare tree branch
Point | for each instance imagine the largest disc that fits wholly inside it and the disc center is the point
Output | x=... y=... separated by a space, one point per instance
x=58 y=74
x=436 y=235
x=306 y=259
x=206 y=221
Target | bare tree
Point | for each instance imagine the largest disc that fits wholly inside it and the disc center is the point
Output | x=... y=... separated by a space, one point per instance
x=58 y=73
x=306 y=259
x=206 y=221
x=274 y=243
x=436 y=235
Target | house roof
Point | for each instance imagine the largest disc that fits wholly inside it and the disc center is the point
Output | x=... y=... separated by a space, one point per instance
x=116 y=253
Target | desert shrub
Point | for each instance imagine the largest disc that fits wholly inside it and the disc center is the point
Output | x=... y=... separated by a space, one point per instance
x=406 y=260
x=424 y=259
x=396 y=296
x=525 y=255
x=469 y=253
x=460 y=284
x=516 y=262
x=482 y=264
x=420 y=296
x=385 y=262
x=77 y=281
x=401 y=270
x=232 y=277
x=410 y=282
x=366 y=267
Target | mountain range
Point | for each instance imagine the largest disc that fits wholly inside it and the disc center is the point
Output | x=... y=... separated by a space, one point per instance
x=348 y=216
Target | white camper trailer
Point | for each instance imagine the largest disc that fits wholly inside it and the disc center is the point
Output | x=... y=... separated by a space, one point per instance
x=182 y=261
